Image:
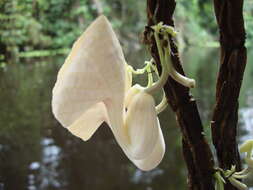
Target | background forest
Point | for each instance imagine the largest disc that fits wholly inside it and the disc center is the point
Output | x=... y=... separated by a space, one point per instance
x=37 y=153
x=37 y=28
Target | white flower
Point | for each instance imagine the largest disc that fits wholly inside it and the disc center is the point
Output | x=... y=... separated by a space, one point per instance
x=91 y=88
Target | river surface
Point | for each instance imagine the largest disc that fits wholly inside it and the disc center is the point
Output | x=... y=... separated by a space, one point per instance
x=36 y=153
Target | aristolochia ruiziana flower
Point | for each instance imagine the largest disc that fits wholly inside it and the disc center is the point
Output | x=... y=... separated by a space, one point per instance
x=91 y=88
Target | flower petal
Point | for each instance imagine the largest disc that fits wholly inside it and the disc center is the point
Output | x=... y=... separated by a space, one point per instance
x=141 y=125
x=93 y=72
x=133 y=91
x=152 y=160
x=89 y=122
x=129 y=78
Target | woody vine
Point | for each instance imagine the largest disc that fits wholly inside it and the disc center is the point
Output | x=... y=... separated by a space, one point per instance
x=130 y=110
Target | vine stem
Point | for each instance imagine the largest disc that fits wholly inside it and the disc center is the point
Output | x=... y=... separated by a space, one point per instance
x=196 y=151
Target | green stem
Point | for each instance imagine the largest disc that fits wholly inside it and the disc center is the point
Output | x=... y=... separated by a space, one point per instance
x=163 y=104
x=165 y=74
x=138 y=71
x=150 y=76
x=187 y=82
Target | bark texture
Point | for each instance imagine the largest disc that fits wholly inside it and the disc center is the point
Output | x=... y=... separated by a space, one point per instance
x=196 y=151
x=232 y=64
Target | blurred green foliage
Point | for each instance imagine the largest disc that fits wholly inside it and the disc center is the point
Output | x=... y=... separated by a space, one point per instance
x=29 y=26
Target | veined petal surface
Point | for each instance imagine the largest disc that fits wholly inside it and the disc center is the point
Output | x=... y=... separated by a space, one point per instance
x=141 y=125
x=156 y=156
x=90 y=89
x=129 y=78
x=93 y=72
x=89 y=122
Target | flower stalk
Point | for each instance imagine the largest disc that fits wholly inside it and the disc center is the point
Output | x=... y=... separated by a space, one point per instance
x=161 y=34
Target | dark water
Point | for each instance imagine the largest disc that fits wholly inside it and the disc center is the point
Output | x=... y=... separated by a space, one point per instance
x=36 y=153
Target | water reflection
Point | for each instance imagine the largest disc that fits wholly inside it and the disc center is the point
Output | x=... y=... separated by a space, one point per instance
x=247 y=117
x=36 y=153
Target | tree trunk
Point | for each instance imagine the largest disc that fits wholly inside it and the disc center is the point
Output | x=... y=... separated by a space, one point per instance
x=232 y=64
x=196 y=151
